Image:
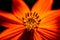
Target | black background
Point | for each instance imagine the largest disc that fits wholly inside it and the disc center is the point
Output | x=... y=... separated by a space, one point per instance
x=5 y=5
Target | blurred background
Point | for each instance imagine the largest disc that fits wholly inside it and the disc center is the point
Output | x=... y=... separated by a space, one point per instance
x=5 y=5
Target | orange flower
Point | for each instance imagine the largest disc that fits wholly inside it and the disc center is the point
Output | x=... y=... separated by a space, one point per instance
x=39 y=23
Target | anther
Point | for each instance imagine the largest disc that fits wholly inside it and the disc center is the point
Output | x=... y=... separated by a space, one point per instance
x=34 y=13
x=38 y=23
x=24 y=22
x=27 y=14
x=39 y=20
x=36 y=27
x=22 y=18
x=37 y=17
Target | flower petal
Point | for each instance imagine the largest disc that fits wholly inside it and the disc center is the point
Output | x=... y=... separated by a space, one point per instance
x=19 y=8
x=11 y=32
x=49 y=13
x=49 y=24
x=8 y=17
x=42 y=5
x=47 y=34
x=10 y=25
x=50 y=20
x=37 y=36
x=17 y=37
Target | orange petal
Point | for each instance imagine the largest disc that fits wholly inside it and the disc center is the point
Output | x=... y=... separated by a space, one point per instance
x=41 y=35
x=53 y=27
x=37 y=36
x=17 y=37
x=50 y=20
x=42 y=5
x=47 y=34
x=10 y=25
x=19 y=8
x=8 y=17
x=11 y=36
x=51 y=13
x=11 y=32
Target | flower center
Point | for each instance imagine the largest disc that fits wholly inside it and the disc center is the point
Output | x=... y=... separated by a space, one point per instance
x=31 y=21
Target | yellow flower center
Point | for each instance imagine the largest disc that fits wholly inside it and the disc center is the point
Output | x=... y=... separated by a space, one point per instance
x=31 y=21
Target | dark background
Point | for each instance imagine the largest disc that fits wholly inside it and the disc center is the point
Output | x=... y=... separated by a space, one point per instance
x=5 y=5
